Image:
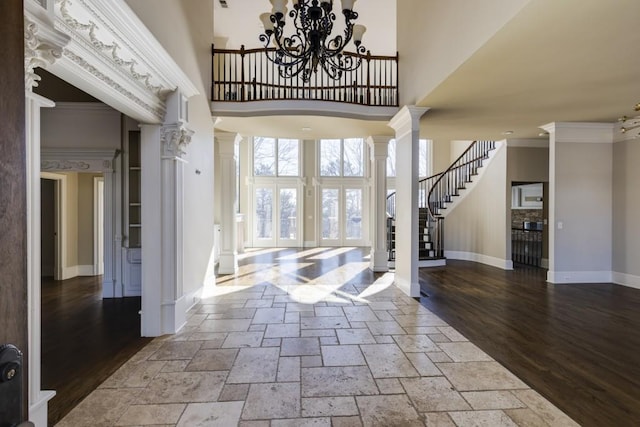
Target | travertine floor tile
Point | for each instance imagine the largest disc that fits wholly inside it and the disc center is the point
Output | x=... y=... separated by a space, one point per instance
x=220 y=414
x=438 y=419
x=355 y=336
x=300 y=347
x=415 y=343
x=212 y=360
x=243 y=339
x=342 y=355
x=464 y=352
x=385 y=328
x=337 y=381
x=269 y=315
x=134 y=375
x=102 y=408
x=328 y=406
x=183 y=387
x=388 y=410
x=289 y=369
x=471 y=376
x=545 y=410
x=255 y=365
x=360 y=314
x=482 y=418
x=225 y=325
x=481 y=400
x=433 y=394
x=286 y=330
x=302 y=422
x=346 y=422
x=389 y=386
x=176 y=350
x=329 y=322
x=233 y=392
x=275 y=400
x=387 y=361
x=150 y=414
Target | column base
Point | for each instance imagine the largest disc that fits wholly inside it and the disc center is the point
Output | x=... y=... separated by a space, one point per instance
x=38 y=410
x=379 y=261
x=228 y=263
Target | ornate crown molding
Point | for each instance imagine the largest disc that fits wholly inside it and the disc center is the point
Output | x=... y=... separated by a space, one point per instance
x=75 y=160
x=43 y=45
x=175 y=139
x=112 y=56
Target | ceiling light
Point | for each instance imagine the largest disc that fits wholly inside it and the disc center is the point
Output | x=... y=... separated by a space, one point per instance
x=311 y=43
x=306 y=129
x=507 y=132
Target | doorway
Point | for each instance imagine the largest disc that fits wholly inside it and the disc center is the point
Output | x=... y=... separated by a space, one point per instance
x=528 y=224
x=48 y=230
x=342 y=216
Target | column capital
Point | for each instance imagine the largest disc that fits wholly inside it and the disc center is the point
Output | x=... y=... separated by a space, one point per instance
x=42 y=46
x=407 y=119
x=379 y=145
x=175 y=138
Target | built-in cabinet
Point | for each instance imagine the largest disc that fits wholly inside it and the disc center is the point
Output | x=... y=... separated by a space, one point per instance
x=132 y=262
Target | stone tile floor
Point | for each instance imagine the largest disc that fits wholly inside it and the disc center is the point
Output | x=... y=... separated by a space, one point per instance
x=293 y=351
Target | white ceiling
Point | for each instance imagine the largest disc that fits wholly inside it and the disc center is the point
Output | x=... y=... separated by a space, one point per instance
x=569 y=60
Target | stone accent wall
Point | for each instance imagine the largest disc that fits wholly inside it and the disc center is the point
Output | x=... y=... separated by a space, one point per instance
x=518 y=216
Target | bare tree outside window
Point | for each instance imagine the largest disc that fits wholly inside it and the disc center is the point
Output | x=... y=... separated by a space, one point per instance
x=330 y=157
x=264 y=156
x=288 y=157
x=423 y=161
x=353 y=158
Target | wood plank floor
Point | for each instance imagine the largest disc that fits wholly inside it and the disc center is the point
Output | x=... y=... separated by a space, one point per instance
x=577 y=345
x=84 y=339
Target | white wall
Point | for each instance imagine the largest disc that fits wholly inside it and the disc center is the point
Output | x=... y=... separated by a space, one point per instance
x=445 y=33
x=476 y=229
x=185 y=29
x=580 y=210
x=626 y=212
x=80 y=124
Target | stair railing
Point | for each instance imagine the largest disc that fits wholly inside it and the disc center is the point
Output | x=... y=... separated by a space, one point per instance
x=436 y=191
x=449 y=184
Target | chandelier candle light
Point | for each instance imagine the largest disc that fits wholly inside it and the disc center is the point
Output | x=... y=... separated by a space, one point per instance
x=310 y=43
x=631 y=125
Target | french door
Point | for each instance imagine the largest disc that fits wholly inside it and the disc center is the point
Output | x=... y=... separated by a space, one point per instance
x=343 y=221
x=276 y=215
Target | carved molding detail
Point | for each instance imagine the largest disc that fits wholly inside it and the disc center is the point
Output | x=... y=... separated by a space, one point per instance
x=64 y=165
x=175 y=139
x=111 y=50
x=156 y=111
x=38 y=52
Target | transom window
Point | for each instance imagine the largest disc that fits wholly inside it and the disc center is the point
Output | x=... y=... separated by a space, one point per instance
x=276 y=157
x=342 y=157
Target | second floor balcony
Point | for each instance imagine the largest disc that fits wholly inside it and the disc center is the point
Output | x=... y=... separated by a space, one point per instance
x=246 y=83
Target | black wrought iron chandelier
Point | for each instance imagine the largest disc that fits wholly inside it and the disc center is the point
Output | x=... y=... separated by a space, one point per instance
x=310 y=44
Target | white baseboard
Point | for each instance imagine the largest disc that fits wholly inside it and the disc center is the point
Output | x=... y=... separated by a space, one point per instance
x=431 y=263
x=86 y=270
x=69 y=272
x=411 y=289
x=38 y=409
x=566 y=277
x=625 y=279
x=505 y=264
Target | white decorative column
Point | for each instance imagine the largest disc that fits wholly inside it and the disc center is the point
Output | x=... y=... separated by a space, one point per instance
x=162 y=148
x=406 y=123
x=151 y=221
x=379 y=259
x=42 y=47
x=227 y=199
x=580 y=202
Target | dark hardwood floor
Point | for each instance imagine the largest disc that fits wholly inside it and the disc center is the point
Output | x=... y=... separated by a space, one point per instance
x=577 y=345
x=84 y=339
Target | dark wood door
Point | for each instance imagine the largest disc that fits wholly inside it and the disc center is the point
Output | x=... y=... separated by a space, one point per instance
x=13 y=211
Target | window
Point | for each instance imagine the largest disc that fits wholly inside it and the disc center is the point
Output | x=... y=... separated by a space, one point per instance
x=423 y=162
x=342 y=157
x=276 y=157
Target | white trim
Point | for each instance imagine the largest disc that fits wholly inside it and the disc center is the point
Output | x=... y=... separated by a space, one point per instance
x=625 y=279
x=563 y=277
x=98 y=226
x=310 y=244
x=303 y=107
x=505 y=264
x=38 y=409
x=426 y=263
x=410 y=289
x=528 y=143
x=85 y=270
x=544 y=263
x=577 y=132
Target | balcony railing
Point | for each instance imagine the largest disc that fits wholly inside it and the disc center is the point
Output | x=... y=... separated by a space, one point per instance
x=247 y=75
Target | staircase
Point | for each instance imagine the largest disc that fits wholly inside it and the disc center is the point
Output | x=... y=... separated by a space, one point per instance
x=436 y=194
